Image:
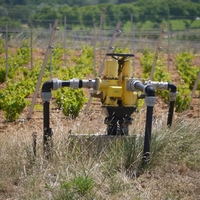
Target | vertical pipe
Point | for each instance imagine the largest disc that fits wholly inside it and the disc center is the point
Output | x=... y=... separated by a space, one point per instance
x=170 y=113
x=47 y=136
x=147 y=138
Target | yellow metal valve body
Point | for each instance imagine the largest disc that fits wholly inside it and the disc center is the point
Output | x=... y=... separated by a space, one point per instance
x=127 y=69
x=129 y=98
x=113 y=85
x=111 y=69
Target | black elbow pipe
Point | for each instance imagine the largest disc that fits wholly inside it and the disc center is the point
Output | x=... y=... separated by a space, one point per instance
x=47 y=86
x=150 y=91
x=47 y=135
x=172 y=89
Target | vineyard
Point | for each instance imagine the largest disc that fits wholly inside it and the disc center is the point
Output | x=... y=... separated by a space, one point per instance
x=21 y=81
x=17 y=85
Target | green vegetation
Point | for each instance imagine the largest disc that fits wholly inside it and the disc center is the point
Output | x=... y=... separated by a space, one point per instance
x=22 y=82
x=181 y=14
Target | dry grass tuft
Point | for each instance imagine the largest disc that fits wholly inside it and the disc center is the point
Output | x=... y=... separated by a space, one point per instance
x=101 y=167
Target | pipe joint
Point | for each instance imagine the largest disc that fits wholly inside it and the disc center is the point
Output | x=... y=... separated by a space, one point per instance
x=75 y=83
x=149 y=90
x=172 y=87
x=150 y=101
x=47 y=86
x=89 y=83
x=56 y=83
x=173 y=95
x=159 y=85
x=46 y=96
x=134 y=85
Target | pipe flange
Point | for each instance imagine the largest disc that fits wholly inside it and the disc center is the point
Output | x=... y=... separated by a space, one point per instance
x=74 y=83
x=150 y=101
x=56 y=83
x=46 y=96
x=173 y=95
x=131 y=85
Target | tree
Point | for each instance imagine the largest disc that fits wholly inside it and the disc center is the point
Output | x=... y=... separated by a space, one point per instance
x=153 y=10
x=46 y=15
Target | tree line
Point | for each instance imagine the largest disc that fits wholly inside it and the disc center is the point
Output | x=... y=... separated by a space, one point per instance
x=88 y=12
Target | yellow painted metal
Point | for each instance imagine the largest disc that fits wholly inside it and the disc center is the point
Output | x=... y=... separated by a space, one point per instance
x=105 y=83
x=115 y=91
x=127 y=69
x=111 y=69
x=113 y=86
x=129 y=98
x=110 y=101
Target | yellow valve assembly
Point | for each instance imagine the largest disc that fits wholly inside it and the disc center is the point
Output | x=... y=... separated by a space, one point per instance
x=118 y=103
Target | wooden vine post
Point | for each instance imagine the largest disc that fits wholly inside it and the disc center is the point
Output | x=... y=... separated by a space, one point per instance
x=48 y=50
x=195 y=87
x=157 y=50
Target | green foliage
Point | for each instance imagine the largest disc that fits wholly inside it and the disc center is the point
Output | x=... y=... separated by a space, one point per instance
x=12 y=104
x=2 y=47
x=13 y=98
x=188 y=74
x=21 y=81
x=144 y=15
x=80 y=186
x=187 y=71
x=183 y=98
x=70 y=101
x=2 y=75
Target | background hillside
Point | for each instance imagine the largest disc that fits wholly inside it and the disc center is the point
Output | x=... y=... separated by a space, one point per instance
x=179 y=14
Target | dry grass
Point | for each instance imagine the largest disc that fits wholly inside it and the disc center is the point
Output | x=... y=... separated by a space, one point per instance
x=108 y=168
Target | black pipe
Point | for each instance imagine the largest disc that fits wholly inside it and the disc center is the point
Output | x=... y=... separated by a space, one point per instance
x=138 y=85
x=150 y=91
x=65 y=83
x=47 y=86
x=170 y=113
x=147 y=137
x=46 y=93
x=47 y=137
x=172 y=89
x=47 y=134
